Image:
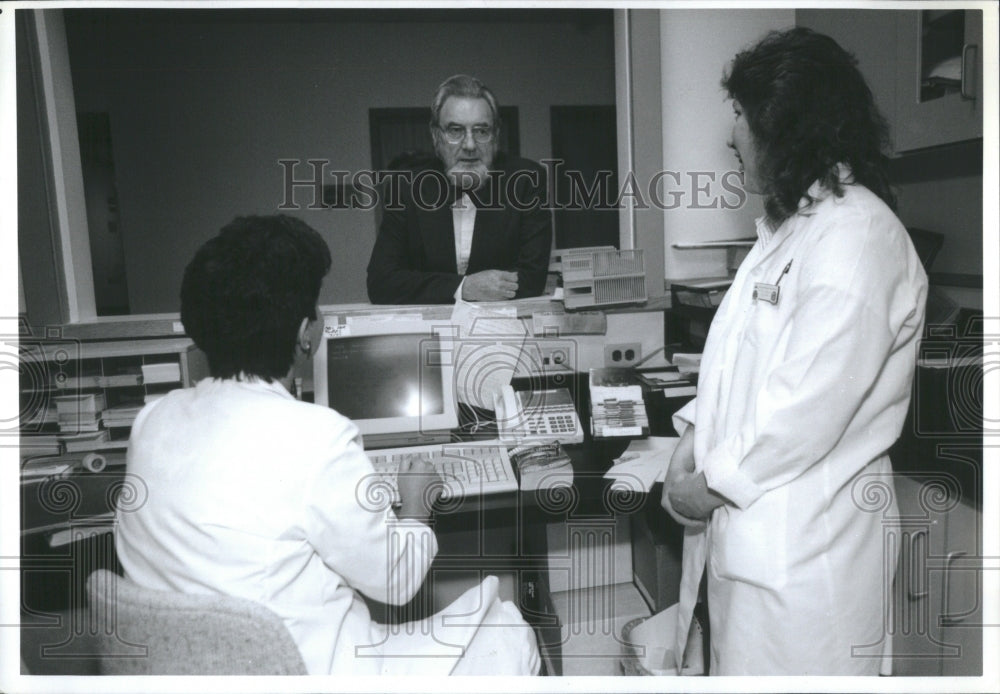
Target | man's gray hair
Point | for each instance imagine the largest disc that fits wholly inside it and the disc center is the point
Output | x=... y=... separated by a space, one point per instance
x=463 y=86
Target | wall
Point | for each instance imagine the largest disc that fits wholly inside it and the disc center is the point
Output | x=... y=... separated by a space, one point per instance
x=697 y=121
x=940 y=189
x=39 y=277
x=203 y=106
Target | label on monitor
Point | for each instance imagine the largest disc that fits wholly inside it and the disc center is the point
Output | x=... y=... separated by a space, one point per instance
x=338 y=330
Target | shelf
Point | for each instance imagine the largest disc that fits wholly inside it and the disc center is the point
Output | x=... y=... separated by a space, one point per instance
x=91 y=382
x=123 y=374
x=730 y=243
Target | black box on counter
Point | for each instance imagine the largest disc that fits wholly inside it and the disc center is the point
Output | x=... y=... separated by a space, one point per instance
x=664 y=391
x=657 y=542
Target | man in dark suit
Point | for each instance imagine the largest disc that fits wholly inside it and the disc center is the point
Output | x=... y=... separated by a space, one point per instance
x=471 y=224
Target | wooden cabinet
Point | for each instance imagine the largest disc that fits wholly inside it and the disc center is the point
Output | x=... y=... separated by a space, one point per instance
x=916 y=641
x=962 y=611
x=939 y=77
x=936 y=618
x=924 y=68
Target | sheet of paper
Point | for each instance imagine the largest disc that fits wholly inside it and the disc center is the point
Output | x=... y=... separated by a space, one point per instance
x=601 y=393
x=528 y=301
x=665 y=376
x=550 y=479
x=403 y=322
x=642 y=464
x=487 y=348
x=433 y=645
x=686 y=363
x=684 y=359
x=397 y=317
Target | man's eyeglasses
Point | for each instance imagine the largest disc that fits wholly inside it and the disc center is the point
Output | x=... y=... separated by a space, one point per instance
x=454 y=134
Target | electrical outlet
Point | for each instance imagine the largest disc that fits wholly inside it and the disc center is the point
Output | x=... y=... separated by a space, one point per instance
x=622 y=354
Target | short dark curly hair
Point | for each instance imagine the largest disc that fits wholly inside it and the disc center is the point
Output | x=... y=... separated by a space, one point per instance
x=808 y=108
x=246 y=291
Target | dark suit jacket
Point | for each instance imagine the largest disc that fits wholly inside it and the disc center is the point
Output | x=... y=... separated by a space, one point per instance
x=413 y=261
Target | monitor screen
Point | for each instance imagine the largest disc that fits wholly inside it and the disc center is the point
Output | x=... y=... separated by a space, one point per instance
x=388 y=372
x=388 y=378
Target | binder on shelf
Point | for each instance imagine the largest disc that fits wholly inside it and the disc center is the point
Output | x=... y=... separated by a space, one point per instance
x=81 y=413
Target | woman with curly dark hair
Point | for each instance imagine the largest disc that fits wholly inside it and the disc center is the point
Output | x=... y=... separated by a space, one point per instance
x=805 y=380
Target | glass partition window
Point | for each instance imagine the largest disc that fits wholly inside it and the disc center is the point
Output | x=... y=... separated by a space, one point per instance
x=186 y=116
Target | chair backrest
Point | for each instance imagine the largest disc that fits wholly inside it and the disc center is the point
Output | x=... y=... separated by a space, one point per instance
x=152 y=632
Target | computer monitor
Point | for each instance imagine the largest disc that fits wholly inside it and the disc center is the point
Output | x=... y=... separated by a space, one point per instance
x=392 y=378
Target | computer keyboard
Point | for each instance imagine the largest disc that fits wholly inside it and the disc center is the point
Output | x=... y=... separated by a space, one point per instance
x=466 y=469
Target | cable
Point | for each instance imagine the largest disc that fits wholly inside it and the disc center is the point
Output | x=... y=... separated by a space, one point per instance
x=648 y=357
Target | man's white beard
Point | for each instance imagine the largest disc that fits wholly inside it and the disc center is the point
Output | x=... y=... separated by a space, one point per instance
x=467 y=180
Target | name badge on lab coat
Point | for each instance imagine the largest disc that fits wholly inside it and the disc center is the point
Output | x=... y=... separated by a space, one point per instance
x=766 y=292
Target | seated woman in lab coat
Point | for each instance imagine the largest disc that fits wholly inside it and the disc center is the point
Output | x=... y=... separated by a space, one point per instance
x=255 y=494
x=805 y=379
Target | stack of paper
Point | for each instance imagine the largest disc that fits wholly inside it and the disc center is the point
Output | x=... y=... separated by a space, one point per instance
x=642 y=464
x=89 y=441
x=168 y=372
x=487 y=350
x=79 y=413
x=121 y=415
x=46 y=466
x=686 y=363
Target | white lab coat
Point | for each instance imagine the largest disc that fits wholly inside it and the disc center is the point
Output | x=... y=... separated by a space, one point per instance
x=797 y=405
x=245 y=491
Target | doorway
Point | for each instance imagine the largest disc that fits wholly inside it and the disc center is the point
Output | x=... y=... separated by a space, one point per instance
x=584 y=140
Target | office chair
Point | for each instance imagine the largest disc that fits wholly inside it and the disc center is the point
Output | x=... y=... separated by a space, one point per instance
x=927 y=244
x=152 y=632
